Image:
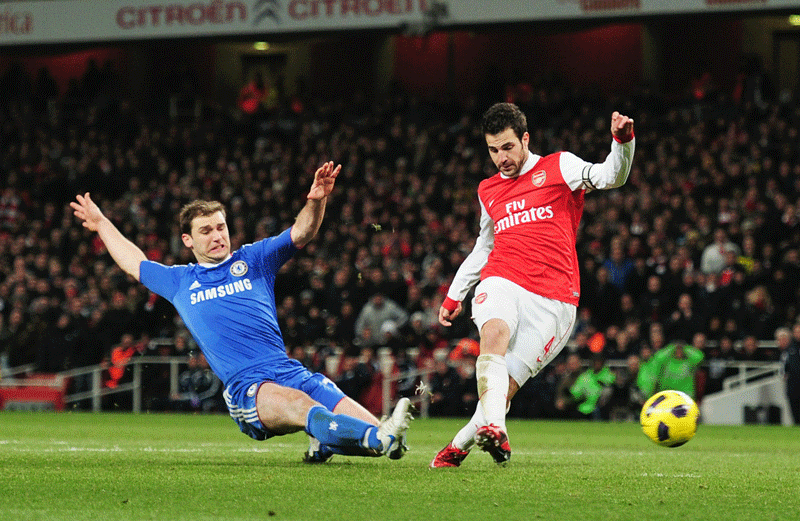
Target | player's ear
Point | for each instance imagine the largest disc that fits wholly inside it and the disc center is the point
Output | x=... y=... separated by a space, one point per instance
x=187 y=240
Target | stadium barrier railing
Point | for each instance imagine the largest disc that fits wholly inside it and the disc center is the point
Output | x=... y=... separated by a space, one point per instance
x=135 y=386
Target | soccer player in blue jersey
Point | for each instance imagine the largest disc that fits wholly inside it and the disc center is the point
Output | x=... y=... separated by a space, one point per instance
x=227 y=301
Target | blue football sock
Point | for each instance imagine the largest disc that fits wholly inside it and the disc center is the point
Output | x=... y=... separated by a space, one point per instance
x=339 y=431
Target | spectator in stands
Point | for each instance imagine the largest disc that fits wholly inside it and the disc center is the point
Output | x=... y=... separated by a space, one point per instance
x=619 y=266
x=700 y=342
x=760 y=318
x=715 y=255
x=626 y=400
x=565 y=403
x=446 y=387
x=374 y=314
x=253 y=95
x=339 y=290
x=684 y=322
x=354 y=375
x=346 y=325
x=751 y=350
x=5 y=337
x=628 y=311
x=653 y=301
x=301 y=354
x=119 y=319
x=592 y=390
x=649 y=372
x=119 y=372
x=617 y=346
x=720 y=364
x=677 y=364
x=790 y=358
x=199 y=389
x=55 y=347
x=605 y=309
x=655 y=338
x=633 y=330
x=23 y=337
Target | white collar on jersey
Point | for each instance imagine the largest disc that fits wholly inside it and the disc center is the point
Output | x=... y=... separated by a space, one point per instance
x=211 y=264
x=529 y=164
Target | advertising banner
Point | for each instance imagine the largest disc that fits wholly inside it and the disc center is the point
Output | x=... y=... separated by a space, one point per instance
x=116 y=20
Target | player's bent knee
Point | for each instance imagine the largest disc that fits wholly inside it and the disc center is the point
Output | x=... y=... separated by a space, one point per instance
x=494 y=337
x=282 y=409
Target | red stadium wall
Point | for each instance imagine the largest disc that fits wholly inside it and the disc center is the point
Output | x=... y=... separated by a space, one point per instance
x=64 y=67
x=609 y=57
x=141 y=68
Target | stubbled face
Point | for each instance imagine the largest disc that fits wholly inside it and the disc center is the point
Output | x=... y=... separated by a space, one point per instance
x=210 y=240
x=508 y=152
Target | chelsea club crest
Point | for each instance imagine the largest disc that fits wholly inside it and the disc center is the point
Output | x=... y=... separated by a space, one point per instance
x=238 y=268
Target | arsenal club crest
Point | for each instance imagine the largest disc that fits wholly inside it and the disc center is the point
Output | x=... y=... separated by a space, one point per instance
x=538 y=178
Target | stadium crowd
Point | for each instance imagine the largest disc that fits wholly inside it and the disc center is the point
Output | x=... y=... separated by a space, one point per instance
x=700 y=248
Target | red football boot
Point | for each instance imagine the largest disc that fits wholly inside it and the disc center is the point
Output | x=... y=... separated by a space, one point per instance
x=492 y=439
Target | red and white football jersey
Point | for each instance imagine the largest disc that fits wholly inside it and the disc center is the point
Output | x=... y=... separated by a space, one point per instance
x=535 y=220
x=529 y=223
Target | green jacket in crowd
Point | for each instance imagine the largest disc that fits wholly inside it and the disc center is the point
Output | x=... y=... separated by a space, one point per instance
x=677 y=373
x=647 y=379
x=588 y=388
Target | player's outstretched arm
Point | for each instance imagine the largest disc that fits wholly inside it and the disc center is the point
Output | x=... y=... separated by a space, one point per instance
x=125 y=253
x=310 y=217
x=611 y=173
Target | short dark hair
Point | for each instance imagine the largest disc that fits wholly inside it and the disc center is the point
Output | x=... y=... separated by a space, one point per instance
x=198 y=208
x=501 y=116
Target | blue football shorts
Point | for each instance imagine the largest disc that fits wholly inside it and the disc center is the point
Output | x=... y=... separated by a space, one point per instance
x=240 y=394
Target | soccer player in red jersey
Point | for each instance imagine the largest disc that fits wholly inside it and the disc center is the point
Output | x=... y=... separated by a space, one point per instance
x=526 y=266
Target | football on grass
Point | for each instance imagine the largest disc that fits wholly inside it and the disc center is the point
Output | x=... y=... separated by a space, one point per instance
x=669 y=418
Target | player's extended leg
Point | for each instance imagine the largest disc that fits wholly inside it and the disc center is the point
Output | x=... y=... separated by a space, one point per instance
x=318 y=453
x=283 y=410
x=492 y=375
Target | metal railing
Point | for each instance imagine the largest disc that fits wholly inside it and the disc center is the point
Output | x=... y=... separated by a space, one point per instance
x=749 y=372
x=96 y=390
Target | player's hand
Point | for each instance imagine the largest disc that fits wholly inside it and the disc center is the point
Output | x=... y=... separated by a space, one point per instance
x=87 y=211
x=446 y=316
x=324 y=178
x=621 y=127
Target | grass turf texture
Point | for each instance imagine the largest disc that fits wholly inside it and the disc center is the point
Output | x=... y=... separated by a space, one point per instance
x=82 y=466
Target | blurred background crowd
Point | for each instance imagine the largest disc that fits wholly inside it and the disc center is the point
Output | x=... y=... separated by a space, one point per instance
x=695 y=262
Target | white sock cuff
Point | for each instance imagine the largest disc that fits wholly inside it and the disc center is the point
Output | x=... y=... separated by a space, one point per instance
x=491 y=358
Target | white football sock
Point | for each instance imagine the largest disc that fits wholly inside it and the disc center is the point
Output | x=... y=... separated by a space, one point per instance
x=492 y=377
x=465 y=438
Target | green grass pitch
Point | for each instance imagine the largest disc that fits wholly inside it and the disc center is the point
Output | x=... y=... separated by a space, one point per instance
x=82 y=466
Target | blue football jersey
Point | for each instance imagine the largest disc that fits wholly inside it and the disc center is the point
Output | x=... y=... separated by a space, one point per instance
x=230 y=307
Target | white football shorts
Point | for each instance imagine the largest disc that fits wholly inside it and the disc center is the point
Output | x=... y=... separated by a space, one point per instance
x=540 y=327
